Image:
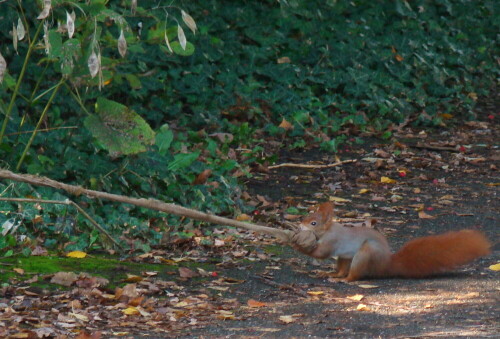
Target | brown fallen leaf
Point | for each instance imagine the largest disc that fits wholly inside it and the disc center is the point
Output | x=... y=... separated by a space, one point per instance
x=255 y=303
x=202 y=177
x=64 y=278
x=285 y=125
x=86 y=335
x=185 y=272
x=423 y=215
x=130 y=290
x=18 y=270
x=133 y=278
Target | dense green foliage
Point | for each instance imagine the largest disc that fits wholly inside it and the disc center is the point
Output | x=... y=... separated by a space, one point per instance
x=156 y=123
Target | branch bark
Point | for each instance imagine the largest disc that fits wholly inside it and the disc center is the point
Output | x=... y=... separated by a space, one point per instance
x=284 y=235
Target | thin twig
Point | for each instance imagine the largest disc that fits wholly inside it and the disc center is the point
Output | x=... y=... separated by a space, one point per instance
x=288 y=164
x=66 y=202
x=42 y=130
x=435 y=148
x=295 y=290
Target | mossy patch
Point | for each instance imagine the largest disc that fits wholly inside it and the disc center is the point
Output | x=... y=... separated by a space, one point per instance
x=114 y=270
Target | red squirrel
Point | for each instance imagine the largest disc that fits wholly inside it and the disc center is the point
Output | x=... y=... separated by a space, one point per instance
x=364 y=252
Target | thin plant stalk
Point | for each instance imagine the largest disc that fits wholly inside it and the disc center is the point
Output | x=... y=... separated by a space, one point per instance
x=18 y=83
x=40 y=120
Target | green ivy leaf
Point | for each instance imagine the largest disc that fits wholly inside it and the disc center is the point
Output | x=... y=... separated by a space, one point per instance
x=55 y=41
x=183 y=160
x=163 y=140
x=176 y=47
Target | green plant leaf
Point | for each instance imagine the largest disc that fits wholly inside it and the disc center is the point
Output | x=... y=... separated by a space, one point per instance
x=163 y=140
x=183 y=160
x=176 y=47
x=55 y=41
x=119 y=129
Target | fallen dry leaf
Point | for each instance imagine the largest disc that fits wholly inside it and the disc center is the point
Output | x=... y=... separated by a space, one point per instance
x=338 y=199
x=243 y=217
x=495 y=267
x=18 y=270
x=315 y=292
x=64 y=278
x=368 y=286
x=255 y=303
x=285 y=125
x=185 y=272
x=133 y=278
x=202 y=177
x=387 y=180
x=362 y=307
x=423 y=215
x=287 y=319
x=76 y=254
x=356 y=297
x=130 y=311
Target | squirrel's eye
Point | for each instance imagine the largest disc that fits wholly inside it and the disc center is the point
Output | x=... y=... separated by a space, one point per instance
x=313 y=223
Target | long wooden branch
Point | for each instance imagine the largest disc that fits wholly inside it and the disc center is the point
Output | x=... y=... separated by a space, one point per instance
x=284 y=235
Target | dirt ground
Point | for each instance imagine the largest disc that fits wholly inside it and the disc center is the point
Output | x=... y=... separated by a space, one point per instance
x=457 y=190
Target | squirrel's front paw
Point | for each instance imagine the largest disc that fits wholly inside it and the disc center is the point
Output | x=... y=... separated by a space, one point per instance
x=304 y=240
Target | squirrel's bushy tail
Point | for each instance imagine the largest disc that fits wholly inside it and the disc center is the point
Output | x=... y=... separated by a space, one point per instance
x=438 y=253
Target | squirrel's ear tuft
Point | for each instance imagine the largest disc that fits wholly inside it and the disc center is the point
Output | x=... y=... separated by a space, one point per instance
x=326 y=210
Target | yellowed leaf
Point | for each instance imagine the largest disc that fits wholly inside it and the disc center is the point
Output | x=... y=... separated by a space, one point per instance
x=76 y=254
x=495 y=267
x=255 y=303
x=356 y=297
x=338 y=199
x=362 y=307
x=243 y=217
x=387 y=180
x=285 y=125
x=363 y=191
x=472 y=95
x=417 y=190
x=315 y=292
x=131 y=311
x=368 y=286
x=399 y=57
x=447 y=116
